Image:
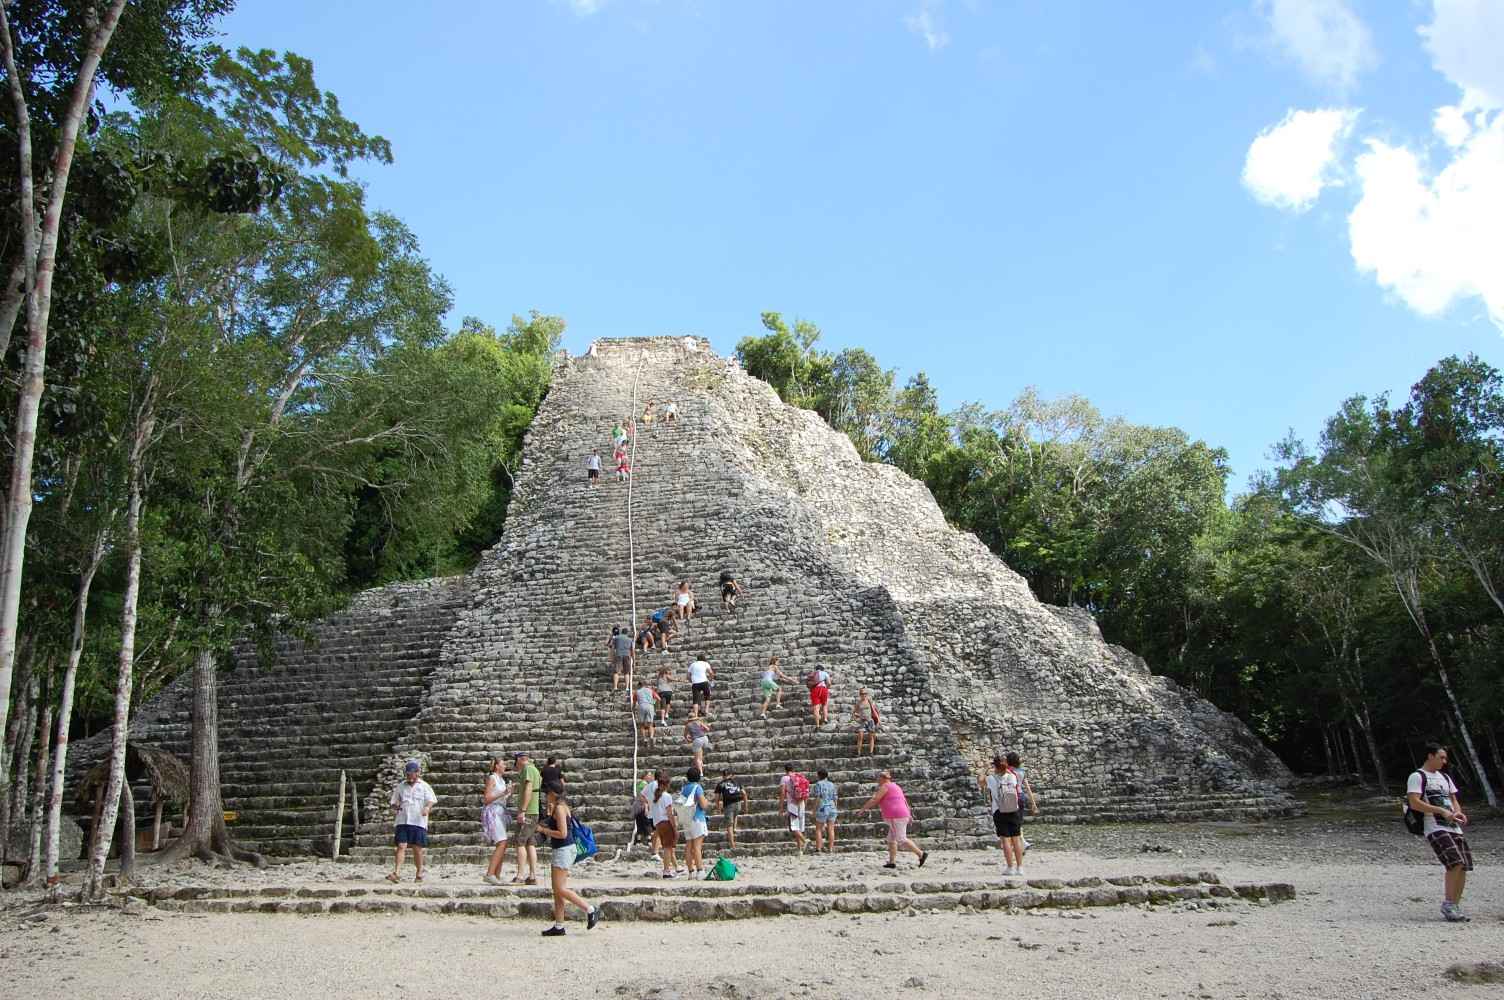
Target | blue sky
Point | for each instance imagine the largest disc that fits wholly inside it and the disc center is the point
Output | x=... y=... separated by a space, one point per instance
x=1225 y=216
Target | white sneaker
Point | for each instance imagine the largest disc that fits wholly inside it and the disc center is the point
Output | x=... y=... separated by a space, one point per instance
x=1010 y=870
x=491 y=879
x=1027 y=845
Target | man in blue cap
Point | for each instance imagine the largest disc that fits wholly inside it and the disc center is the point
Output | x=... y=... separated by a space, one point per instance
x=412 y=800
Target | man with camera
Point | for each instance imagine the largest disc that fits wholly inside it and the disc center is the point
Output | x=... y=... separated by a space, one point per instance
x=1434 y=795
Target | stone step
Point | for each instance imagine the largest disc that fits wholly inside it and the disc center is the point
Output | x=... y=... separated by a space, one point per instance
x=700 y=900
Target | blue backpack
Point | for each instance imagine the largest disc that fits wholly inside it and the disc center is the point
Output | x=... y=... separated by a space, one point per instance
x=584 y=840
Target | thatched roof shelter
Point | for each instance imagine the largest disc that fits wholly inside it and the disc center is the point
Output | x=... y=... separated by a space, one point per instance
x=168 y=775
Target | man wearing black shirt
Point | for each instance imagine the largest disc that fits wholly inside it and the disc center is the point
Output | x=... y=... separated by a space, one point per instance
x=732 y=797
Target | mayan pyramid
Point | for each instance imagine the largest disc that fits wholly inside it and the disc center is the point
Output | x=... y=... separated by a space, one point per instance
x=847 y=565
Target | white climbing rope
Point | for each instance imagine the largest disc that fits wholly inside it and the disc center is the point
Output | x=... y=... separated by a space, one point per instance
x=632 y=586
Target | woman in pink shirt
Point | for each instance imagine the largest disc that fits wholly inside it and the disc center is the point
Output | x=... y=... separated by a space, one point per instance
x=890 y=800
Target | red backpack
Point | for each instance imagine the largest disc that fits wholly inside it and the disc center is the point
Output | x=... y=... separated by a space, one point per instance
x=798 y=787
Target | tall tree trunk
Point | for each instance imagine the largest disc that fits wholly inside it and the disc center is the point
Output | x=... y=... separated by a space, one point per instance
x=1358 y=769
x=204 y=834
x=1326 y=745
x=94 y=881
x=17 y=752
x=1461 y=723
x=39 y=800
x=65 y=700
x=39 y=250
x=1365 y=723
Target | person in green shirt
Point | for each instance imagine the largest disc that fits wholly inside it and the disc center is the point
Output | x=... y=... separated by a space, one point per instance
x=529 y=791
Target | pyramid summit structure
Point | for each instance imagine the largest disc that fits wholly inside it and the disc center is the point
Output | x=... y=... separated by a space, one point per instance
x=847 y=565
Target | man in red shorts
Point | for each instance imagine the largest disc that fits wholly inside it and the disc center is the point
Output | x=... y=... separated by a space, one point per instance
x=819 y=695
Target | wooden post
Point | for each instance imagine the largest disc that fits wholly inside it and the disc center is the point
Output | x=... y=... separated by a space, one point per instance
x=156 y=827
x=339 y=816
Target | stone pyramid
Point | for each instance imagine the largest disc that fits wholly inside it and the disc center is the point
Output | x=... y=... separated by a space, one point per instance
x=847 y=565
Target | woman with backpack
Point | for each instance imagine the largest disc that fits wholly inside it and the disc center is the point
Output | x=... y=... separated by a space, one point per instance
x=697 y=823
x=561 y=840
x=493 y=818
x=1004 y=791
x=868 y=720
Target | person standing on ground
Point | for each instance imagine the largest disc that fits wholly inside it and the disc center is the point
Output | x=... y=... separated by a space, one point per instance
x=768 y=685
x=697 y=735
x=824 y=794
x=412 y=800
x=730 y=591
x=664 y=684
x=733 y=799
x=793 y=791
x=493 y=818
x=671 y=413
x=644 y=792
x=561 y=860
x=864 y=713
x=619 y=652
x=1002 y=787
x=529 y=785
x=818 y=682
x=894 y=806
x=593 y=468
x=645 y=711
x=700 y=675
x=1433 y=794
x=699 y=825
x=666 y=827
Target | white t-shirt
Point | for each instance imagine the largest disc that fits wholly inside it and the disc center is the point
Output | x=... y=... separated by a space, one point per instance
x=1439 y=784
x=649 y=795
x=593 y=463
x=699 y=672
x=660 y=810
x=997 y=785
x=671 y=409
x=411 y=797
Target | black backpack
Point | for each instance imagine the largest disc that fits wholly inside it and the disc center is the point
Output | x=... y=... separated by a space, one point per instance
x=1415 y=822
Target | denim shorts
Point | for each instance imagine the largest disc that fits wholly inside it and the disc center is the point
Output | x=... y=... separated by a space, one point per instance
x=825 y=813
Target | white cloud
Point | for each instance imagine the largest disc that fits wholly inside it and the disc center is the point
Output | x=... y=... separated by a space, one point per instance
x=584 y=8
x=1289 y=164
x=1324 y=37
x=1466 y=41
x=926 y=23
x=1434 y=239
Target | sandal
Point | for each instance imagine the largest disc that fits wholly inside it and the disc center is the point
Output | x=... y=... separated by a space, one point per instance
x=530 y=880
x=418 y=877
x=392 y=877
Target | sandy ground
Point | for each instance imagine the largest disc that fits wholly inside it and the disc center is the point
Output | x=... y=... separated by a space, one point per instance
x=1364 y=924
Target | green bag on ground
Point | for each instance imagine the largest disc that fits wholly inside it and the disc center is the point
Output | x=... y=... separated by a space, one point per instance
x=724 y=870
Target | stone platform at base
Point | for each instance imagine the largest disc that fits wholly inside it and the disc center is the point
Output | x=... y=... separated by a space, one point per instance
x=696 y=900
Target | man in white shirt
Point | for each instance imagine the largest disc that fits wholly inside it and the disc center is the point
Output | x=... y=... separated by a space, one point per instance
x=1434 y=796
x=700 y=674
x=593 y=468
x=412 y=800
